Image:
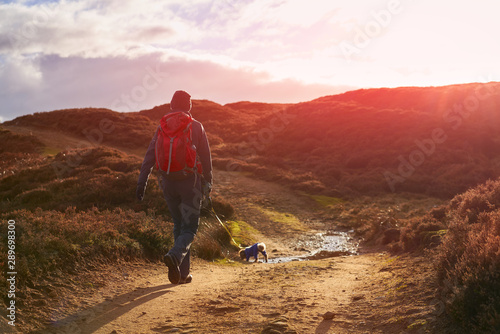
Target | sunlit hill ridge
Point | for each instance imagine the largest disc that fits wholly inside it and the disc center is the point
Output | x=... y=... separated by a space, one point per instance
x=437 y=141
x=407 y=169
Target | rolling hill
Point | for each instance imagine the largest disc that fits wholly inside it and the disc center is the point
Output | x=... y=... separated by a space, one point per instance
x=379 y=161
x=437 y=141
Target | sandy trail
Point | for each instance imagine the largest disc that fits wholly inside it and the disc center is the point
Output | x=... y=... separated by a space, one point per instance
x=369 y=293
x=226 y=299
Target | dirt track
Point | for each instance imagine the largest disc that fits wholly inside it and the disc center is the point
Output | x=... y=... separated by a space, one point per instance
x=369 y=293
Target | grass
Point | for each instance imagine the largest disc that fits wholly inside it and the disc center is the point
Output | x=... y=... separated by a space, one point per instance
x=100 y=177
x=89 y=213
x=14 y=143
x=228 y=262
x=343 y=148
x=242 y=232
x=326 y=201
x=212 y=241
x=50 y=151
x=51 y=241
x=289 y=220
x=417 y=324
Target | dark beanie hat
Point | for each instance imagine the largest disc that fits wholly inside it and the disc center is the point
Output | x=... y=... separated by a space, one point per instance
x=181 y=101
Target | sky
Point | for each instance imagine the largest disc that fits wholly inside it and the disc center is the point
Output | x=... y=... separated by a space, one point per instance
x=129 y=55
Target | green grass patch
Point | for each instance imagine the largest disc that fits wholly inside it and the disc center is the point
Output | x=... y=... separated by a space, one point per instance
x=287 y=219
x=242 y=232
x=326 y=201
x=228 y=262
x=417 y=324
x=50 y=151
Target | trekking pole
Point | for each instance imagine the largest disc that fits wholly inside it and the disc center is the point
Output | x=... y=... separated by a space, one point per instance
x=220 y=221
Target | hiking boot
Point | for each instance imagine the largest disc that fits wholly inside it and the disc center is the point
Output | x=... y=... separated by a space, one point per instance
x=187 y=279
x=174 y=274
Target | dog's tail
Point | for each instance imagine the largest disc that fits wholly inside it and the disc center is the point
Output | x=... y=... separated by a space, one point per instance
x=242 y=254
x=262 y=249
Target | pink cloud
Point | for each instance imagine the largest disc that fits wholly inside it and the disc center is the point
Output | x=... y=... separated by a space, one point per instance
x=144 y=82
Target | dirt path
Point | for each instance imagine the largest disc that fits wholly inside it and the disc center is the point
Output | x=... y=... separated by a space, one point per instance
x=369 y=293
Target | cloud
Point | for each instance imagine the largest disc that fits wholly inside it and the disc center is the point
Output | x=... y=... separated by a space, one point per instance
x=124 y=84
x=85 y=28
x=61 y=54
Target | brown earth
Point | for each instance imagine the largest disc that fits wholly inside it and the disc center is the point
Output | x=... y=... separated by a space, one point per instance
x=373 y=292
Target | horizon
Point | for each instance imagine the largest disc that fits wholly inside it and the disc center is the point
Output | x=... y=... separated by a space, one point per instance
x=131 y=55
x=224 y=104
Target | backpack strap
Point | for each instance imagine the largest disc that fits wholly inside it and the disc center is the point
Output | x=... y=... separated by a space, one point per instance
x=170 y=154
x=156 y=147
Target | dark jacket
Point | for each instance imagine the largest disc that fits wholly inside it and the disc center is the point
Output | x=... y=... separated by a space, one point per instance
x=202 y=148
x=254 y=251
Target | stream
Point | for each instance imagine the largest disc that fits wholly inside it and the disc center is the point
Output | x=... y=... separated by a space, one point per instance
x=322 y=245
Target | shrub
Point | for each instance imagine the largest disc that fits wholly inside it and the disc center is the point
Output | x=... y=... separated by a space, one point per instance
x=103 y=178
x=52 y=241
x=97 y=126
x=469 y=260
x=206 y=247
x=13 y=143
x=469 y=273
x=35 y=197
x=311 y=186
x=230 y=164
x=483 y=198
x=223 y=208
x=421 y=232
x=210 y=240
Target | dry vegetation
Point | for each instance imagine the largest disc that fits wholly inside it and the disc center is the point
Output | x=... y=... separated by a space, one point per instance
x=78 y=206
x=436 y=141
x=469 y=267
x=68 y=223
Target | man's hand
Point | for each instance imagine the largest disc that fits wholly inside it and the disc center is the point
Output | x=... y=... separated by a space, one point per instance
x=139 y=192
x=207 y=189
x=206 y=201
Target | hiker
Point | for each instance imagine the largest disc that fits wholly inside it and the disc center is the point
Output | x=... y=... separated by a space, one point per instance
x=180 y=151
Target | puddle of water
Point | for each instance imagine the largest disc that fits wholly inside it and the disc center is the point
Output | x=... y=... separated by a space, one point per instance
x=325 y=245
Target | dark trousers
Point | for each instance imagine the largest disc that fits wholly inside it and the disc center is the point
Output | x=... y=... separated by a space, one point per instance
x=184 y=203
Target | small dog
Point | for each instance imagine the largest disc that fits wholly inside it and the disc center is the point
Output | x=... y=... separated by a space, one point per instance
x=254 y=250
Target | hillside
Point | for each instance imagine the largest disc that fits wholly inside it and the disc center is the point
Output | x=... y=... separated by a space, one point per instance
x=431 y=100
x=378 y=165
x=356 y=146
x=437 y=141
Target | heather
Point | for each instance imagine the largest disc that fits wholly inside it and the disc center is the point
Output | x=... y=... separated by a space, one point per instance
x=469 y=260
x=355 y=154
x=79 y=207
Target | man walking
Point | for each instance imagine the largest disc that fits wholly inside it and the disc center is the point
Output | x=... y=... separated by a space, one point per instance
x=180 y=151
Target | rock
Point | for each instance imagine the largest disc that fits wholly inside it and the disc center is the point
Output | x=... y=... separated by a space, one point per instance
x=278 y=326
x=328 y=315
x=270 y=331
x=357 y=297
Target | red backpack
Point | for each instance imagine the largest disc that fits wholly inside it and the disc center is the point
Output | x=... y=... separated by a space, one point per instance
x=175 y=153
